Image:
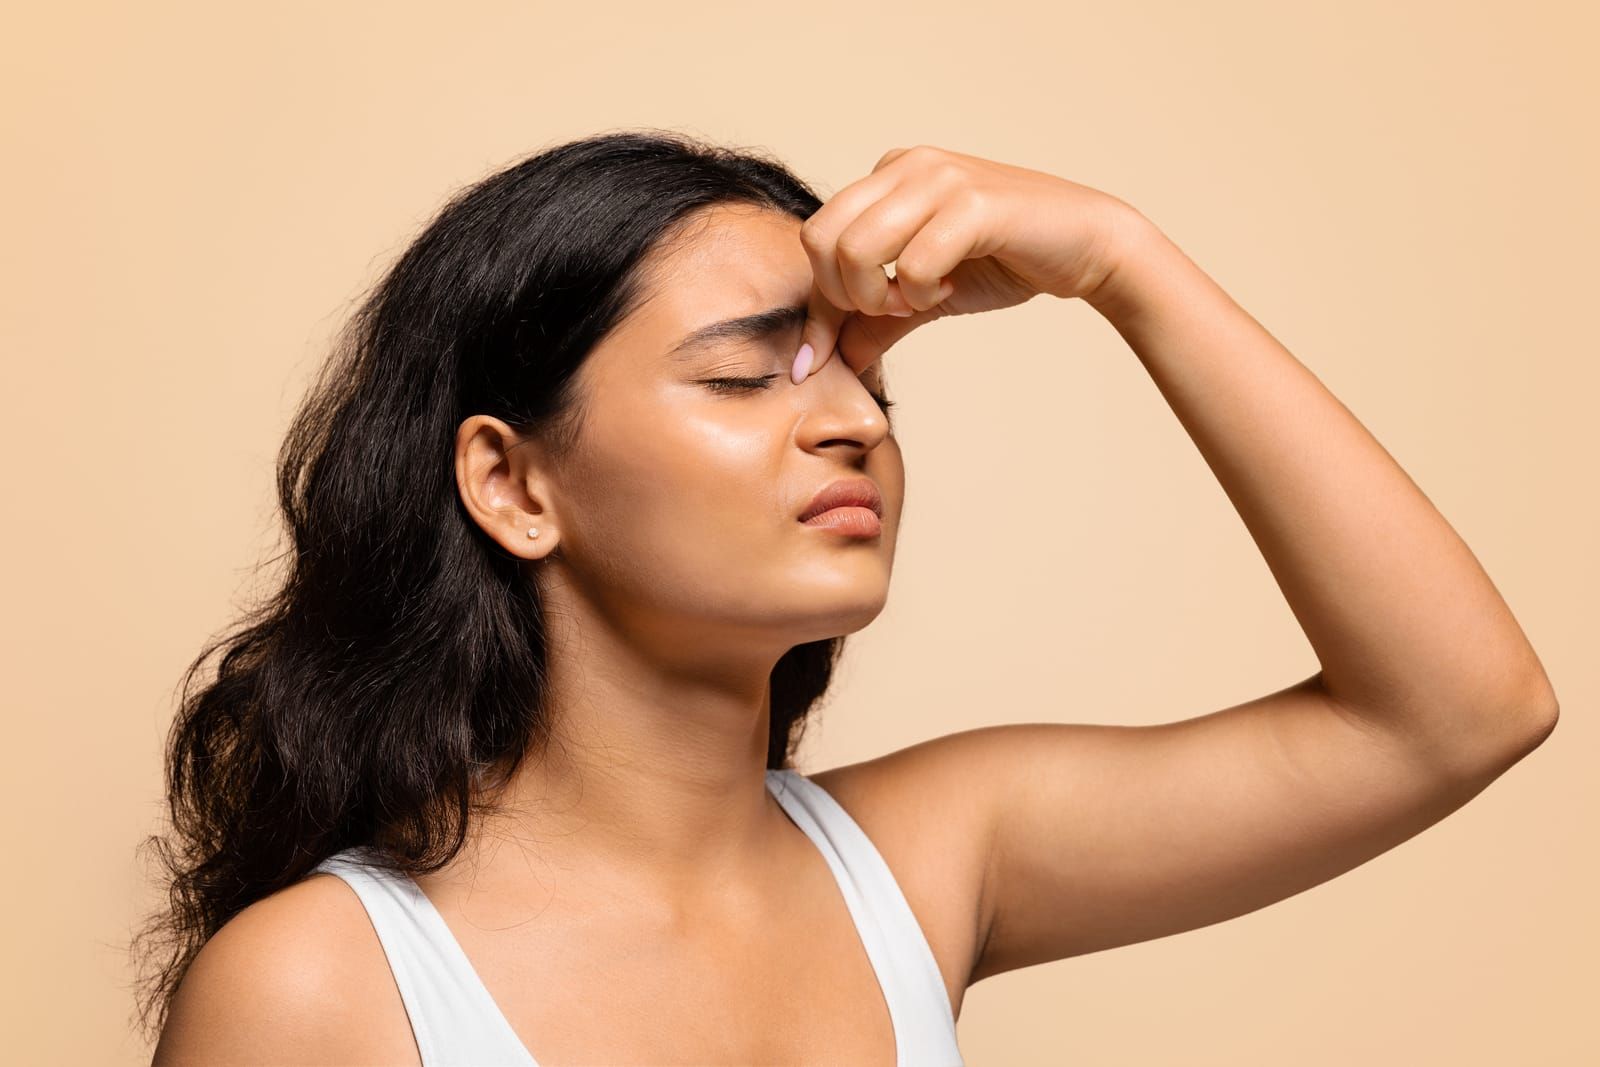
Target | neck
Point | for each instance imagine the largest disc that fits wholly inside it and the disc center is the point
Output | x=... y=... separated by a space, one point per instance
x=654 y=778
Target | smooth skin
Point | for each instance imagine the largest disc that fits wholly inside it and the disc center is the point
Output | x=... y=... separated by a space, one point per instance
x=655 y=905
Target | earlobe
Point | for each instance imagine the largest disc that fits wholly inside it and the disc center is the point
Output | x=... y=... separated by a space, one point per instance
x=497 y=491
x=521 y=527
x=533 y=535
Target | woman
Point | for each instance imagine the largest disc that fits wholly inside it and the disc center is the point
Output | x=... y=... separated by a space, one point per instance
x=600 y=475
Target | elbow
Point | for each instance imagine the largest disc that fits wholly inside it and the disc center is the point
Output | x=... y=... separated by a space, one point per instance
x=1535 y=714
x=1509 y=728
x=1526 y=703
x=1543 y=709
x=1545 y=713
x=1515 y=730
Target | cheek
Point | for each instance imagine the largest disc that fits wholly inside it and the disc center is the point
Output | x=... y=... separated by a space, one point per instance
x=681 y=484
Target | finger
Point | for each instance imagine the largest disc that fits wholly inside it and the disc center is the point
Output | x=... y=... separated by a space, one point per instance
x=953 y=235
x=819 y=234
x=863 y=339
x=820 y=332
x=888 y=158
x=875 y=238
x=829 y=329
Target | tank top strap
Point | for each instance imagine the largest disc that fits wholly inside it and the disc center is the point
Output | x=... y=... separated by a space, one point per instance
x=454 y=1018
x=924 y=1024
x=456 y=1021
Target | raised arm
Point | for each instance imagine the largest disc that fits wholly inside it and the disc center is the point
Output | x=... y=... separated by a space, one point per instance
x=1412 y=636
x=1080 y=837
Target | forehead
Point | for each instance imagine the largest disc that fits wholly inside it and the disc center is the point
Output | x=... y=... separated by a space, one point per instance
x=725 y=262
x=725 y=238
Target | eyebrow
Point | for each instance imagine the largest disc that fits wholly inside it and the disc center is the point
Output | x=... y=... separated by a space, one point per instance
x=762 y=324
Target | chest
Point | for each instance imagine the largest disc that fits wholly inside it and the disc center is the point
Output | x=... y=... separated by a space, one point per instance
x=802 y=991
x=592 y=980
x=586 y=978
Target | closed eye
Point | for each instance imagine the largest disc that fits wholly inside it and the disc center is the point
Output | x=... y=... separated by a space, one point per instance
x=734 y=385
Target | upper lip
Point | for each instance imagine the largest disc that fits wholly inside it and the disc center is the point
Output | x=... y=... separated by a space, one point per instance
x=848 y=492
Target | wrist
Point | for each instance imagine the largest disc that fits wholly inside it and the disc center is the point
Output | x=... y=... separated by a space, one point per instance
x=1132 y=245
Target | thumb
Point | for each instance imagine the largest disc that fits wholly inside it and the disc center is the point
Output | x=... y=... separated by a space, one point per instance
x=863 y=339
x=860 y=339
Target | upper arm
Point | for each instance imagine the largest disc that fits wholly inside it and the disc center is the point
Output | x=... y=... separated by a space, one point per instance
x=1104 y=835
x=288 y=980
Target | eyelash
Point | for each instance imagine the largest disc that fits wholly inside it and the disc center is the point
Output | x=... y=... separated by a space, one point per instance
x=743 y=384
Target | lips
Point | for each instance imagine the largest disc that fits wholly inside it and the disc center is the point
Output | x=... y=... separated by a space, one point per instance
x=848 y=492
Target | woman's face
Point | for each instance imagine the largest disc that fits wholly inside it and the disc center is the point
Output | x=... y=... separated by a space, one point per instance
x=679 y=510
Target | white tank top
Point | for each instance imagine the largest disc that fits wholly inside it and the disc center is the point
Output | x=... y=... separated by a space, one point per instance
x=456 y=1022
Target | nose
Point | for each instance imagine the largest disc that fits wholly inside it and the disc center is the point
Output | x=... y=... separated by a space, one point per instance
x=838 y=407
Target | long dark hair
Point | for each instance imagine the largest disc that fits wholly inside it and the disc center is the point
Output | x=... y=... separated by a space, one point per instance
x=403 y=654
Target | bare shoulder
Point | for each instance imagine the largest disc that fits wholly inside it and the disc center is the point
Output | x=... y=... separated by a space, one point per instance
x=935 y=839
x=1060 y=839
x=297 y=977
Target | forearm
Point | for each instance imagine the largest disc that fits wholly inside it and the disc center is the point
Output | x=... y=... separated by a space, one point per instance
x=1406 y=624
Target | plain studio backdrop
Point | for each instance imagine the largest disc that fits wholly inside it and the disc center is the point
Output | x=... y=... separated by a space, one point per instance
x=1403 y=194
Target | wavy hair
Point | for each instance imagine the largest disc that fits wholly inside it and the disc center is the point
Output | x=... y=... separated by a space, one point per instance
x=402 y=656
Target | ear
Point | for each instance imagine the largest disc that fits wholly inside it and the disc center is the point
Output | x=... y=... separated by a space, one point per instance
x=503 y=486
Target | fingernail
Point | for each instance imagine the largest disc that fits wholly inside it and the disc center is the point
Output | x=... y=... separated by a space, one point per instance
x=802 y=364
x=902 y=314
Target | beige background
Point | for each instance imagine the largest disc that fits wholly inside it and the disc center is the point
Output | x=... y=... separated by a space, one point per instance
x=1405 y=195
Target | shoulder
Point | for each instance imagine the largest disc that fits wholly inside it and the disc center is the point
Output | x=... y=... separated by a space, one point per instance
x=918 y=807
x=924 y=805
x=296 y=977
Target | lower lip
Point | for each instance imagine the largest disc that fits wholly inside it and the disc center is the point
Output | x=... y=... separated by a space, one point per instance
x=851 y=521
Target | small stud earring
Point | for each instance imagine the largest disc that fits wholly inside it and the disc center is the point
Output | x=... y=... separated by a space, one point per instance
x=533 y=532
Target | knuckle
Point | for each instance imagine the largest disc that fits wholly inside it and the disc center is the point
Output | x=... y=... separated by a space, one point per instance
x=853 y=246
x=971 y=199
x=888 y=157
x=953 y=173
x=915 y=271
x=811 y=235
